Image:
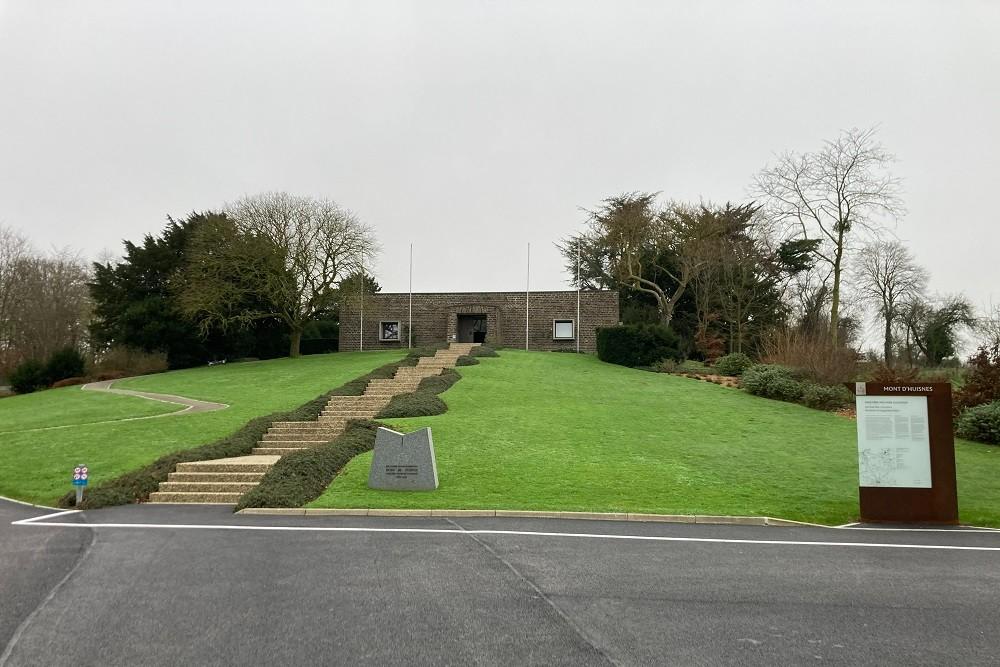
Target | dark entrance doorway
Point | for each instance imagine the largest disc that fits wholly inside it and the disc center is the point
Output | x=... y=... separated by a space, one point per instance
x=471 y=328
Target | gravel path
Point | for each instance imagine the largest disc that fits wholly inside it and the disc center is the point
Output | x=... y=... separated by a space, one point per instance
x=191 y=405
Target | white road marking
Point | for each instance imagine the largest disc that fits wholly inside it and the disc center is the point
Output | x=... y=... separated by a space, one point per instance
x=973 y=529
x=35 y=522
x=24 y=522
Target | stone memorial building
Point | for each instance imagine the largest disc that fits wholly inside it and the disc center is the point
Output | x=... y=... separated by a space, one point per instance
x=496 y=318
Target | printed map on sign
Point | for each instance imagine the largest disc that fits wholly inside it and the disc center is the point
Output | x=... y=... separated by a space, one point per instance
x=893 y=443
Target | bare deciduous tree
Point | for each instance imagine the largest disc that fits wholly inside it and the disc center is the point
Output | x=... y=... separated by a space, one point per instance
x=888 y=277
x=274 y=256
x=44 y=301
x=833 y=195
x=13 y=250
x=989 y=326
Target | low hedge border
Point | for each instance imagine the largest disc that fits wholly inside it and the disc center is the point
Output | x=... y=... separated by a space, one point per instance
x=299 y=478
x=135 y=486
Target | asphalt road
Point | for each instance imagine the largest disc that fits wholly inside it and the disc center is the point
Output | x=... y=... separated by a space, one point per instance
x=186 y=590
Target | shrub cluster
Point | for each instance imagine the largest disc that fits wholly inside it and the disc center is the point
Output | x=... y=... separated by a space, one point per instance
x=785 y=384
x=637 y=345
x=733 y=364
x=28 y=376
x=32 y=375
x=466 y=360
x=982 y=380
x=300 y=477
x=981 y=423
x=484 y=351
x=773 y=381
x=826 y=397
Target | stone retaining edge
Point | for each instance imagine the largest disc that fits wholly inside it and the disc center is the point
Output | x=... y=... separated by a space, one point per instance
x=525 y=514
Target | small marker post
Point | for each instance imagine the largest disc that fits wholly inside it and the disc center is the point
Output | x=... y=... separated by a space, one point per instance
x=80 y=475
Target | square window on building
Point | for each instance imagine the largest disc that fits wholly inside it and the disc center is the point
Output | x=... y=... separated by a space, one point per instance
x=388 y=330
x=563 y=330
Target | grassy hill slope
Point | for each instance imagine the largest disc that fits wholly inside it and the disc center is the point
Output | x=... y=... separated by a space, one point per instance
x=37 y=465
x=543 y=431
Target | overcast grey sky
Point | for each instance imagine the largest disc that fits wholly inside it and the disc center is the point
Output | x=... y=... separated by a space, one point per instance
x=471 y=128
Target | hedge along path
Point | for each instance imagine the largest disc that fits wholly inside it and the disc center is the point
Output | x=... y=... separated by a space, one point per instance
x=226 y=480
x=302 y=477
x=189 y=406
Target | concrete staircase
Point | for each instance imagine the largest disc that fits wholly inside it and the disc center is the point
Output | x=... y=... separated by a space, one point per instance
x=223 y=481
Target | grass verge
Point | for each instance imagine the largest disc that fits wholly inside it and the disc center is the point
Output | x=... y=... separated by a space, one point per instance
x=548 y=431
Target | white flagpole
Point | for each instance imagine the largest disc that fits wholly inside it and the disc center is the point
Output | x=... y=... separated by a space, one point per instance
x=576 y=328
x=361 y=338
x=527 y=292
x=409 y=323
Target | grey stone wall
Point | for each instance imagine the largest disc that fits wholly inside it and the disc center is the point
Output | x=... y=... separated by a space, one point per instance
x=435 y=318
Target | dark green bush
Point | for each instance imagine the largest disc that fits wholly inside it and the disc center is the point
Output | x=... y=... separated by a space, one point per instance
x=733 y=364
x=637 y=344
x=772 y=381
x=467 y=360
x=980 y=423
x=303 y=476
x=826 y=397
x=484 y=351
x=64 y=363
x=28 y=376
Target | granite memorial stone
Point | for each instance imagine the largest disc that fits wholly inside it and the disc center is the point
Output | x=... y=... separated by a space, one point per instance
x=403 y=462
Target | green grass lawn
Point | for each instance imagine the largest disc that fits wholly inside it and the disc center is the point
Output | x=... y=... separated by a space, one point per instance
x=36 y=465
x=543 y=431
x=71 y=405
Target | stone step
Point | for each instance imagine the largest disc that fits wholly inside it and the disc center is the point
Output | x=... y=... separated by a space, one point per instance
x=322 y=436
x=236 y=464
x=277 y=451
x=293 y=425
x=206 y=487
x=348 y=413
x=200 y=498
x=291 y=444
x=215 y=476
x=351 y=400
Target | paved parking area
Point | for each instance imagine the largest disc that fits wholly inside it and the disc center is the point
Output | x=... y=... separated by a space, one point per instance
x=198 y=585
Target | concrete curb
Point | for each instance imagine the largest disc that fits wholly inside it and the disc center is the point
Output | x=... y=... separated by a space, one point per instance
x=27 y=504
x=525 y=514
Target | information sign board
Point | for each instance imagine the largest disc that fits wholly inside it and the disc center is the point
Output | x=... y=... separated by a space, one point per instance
x=894 y=448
